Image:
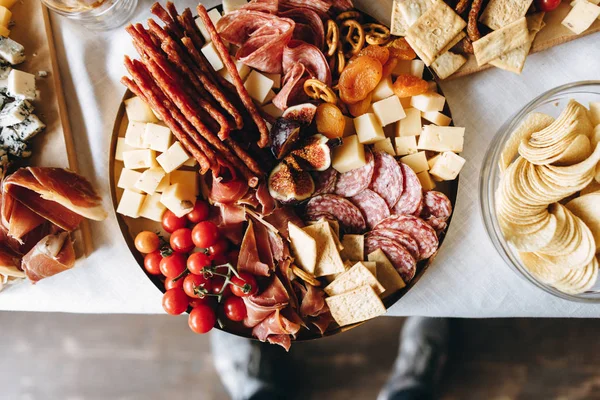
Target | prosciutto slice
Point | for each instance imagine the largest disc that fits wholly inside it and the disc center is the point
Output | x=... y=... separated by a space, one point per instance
x=260 y=306
x=52 y=254
x=227 y=192
x=249 y=260
x=280 y=218
x=276 y=325
x=309 y=26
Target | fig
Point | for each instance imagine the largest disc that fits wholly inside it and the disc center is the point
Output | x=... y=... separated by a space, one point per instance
x=303 y=113
x=288 y=183
x=315 y=154
x=284 y=134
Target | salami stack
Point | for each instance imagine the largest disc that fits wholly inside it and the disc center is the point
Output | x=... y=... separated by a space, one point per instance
x=417 y=229
x=338 y=208
x=354 y=182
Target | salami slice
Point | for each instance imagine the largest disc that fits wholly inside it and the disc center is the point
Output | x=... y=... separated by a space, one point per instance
x=416 y=228
x=412 y=192
x=353 y=182
x=436 y=205
x=372 y=206
x=339 y=208
x=387 y=178
x=400 y=258
x=438 y=224
x=405 y=240
x=325 y=181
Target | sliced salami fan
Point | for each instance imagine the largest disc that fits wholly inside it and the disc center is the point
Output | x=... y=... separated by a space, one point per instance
x=436 y=205
x=400 y=258
x=412 y=194
x=405 y=240
x=416 y=228
x=339 y=208
x=387 y=178
x=372 y=206
x=325 y=181
x=353 y=182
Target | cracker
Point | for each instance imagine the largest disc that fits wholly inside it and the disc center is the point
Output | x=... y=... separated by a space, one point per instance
x=354 y=247
x=304 y=248
x=500 y=13
x=454 y=42
x=412 y=10
x=447 y=64
x=328 y=257
x=386 y=273
x=357 y=305
x=355 y=277
x=501 y=41
x=398 y=25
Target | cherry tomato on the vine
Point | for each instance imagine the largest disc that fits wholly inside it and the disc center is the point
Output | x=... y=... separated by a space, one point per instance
x=171 y=283
x=218 y=248
x=202 y=319
x=171 y=222
x=181 y=240
x=234 y=308
x=199 y=213
x=152 y=263
x=210 y=301
x=205 y=234
x=219 y=259
x=197 y=261
x=547 y=5
x=217 y=285
x=192 y=282
x=173 y=265
x=146 y=242
x=175 y=301
x=239 y=284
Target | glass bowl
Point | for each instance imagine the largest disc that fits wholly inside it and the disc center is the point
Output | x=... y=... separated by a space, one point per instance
x=552 y=103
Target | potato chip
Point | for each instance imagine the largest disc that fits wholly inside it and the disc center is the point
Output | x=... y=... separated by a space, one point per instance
x=578 y=150
x=536 y=240
x=542 y=270
x=568 y=236
x=532 y=123
x=357 y=305
x=353 y=278
x=587 y=208
x=591 y=188
x=579 y=281
x=582 y=255
x=596 y=136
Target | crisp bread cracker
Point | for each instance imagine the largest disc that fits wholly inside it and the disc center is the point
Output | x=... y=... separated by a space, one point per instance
x=433 y=31
x=328 y=257
x=411 y=10
x=454 y=42
x=500 y=13
x=354 y=247
x=353 y=278
x=501 y=41
x=304 y=248
x=386 y=273
x=447 y=64
x=398 y=26
x=357 y=305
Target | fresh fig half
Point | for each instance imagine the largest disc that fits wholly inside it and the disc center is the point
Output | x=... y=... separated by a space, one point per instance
x=315 y=154
x=284 y=134
x=290 y=184
x=303 y=113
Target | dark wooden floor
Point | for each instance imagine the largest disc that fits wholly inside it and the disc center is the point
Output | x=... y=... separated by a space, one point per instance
x=62 y=356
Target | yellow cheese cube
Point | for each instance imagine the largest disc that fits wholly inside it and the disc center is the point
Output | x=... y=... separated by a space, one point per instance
x=433 y=160
x=411 y=124
x=258 y=86
x=276 y=78
x=191 y=162
x=405 y=145
x=368 y=128
x=426 y=182
x=383 y=90
x=212 y=55
x=269 y=97
x=138 y=159
x=581 y=17
x=350 y=155
x=4 y=31
x=385 y=145
x=131 y=203
x=214 y=16
x=178 y=199
x=121 y=148
x=127 y=180
x=173 y=158
x=134 y=134
x=417 y=162
x=152 y=208
x=164 y=183
x=150 y=179
x=5 y=16
x=349 y=127
x=442 y=138
x=428 y=102
x=272 y=110
x=243 y=71
x=137 y=110
x=186 y=178
x=7 y=3
x=156 y=137
x=389 y=110
x=437 y=118
x=448 y=166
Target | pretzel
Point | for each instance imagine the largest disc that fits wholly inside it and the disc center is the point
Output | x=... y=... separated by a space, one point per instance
x=341 y=61
x=332 y=37
x=317 y=90
x=305 y=276
x=348 y=15
x=376 y=33
x=353 y=37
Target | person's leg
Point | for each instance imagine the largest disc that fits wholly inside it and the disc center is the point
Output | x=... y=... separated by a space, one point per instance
x=423 y=352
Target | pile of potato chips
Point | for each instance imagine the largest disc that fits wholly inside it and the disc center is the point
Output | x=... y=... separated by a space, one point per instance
x=556 y=233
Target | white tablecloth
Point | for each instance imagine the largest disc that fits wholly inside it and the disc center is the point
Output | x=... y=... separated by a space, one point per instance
x=468 y=277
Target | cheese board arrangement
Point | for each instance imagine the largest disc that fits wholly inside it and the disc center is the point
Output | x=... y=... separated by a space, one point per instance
x=281 y=170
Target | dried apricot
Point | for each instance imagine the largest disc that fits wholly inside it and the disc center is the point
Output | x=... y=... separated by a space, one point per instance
x=359 y=78
x=382 y=54
x=407 y=85
x=362 y=107
x=389 y=67
x=330 y=120
x=400 y=49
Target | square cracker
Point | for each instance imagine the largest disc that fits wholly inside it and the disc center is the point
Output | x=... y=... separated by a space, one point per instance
x=433 y=31
x=355 y=277
x=498 y=42
x=447 y=64
x=411 y=10
x=398 y=26
x=328 y=257
x=357 y=305
x=386 y=273
x=500 y=13
x=453 y=42
x=354 y=247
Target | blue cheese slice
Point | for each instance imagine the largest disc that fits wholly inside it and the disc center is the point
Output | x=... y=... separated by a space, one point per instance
x=10 y=142
x=5 y=68
x=28 y=128
x=15 y=112
x=21 y=85
x=11 y=51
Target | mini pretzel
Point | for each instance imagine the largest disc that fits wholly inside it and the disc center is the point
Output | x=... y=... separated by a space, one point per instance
x=341 y=61
x=315 y=89
x=353 y=37
x=376 y=33
x=348 y=15
x=332 y=37
x=305 y=276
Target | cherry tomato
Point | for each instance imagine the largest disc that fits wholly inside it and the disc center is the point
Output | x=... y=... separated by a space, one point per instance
x=217 y=286
x=199 y=213
x=547 y=5
x=152 y=263
x=202 y=319
x=238 y=284
x=181 y=240
x=146 y=242
x=205 y=234
x=171 y=222
x=173 y=265
x=197 y=261
x=192 y=282
x=210 y=301
x=175 y=301
x=219 y=259
x=235 y=309
x=220 y=247
x=171 y=283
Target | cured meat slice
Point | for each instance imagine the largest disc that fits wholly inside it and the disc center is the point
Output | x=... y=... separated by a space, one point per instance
x=338 y=208
x=53 y=254
x=309 y=26
x=372 y=206
x=260 y=306
x=400 y=258
x=292 y=91
x=388 y=178
x=353 y=182
x=275 y=324
x=412 y=193
x=321 y=7
x=436 y=205
x=325 y=181
x=249 y=259
x=416 y=228
x=405 y=240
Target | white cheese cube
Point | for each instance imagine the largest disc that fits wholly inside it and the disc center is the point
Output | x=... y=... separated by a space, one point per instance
x=134 y=135
x=349 y=155
x=411 y=125
x=131 y=203
x=5 y=16
x=15 y=112
x=389 y=110
x=405 y=145
x=448 y=166
x=368 y=128
x=21 y=84
x=383 y=90
x=152 y=208
x=138 y=159
x=276 y=78
x=212 y=55
x=150 y=179
x=416 y=68
x=385 y=145
x=437 y=118
x=243 y=71
x=428 y=102
x=596 y=2
x=178 y=199
x=426 y=182
x=191 y=162
x=273 y=111
x=138 y=110
x=269 y=97
x=581 y=17
x=232 y=5
x=121 y=148
x=127 y=180
x=156 y=137
x=417 y=162
x=595 y=113
x=442 y=138
x=186 y=178
x=164 y=183
x=11 y=51
x=173 y=158
x=258 y=86
x=214 y=16
x=26 y=129
x=433 y=160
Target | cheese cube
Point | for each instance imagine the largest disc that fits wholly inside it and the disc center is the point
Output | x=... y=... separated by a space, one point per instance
x=581 y=17
x=402 y=68
x=186 y=178
x=5 y=16
x=214 y=16
x=212 y=55
x=442 y=138
x=276 y=78
x=349 y=127
x=383 y=90
x=121 y=148
x=448 y=166
x=24 y=130
x=416 y=68
x=10 y=50
x=433 y=160
x=21 y=84
x=389 y=110
x=417 y=162
x=232 y=5
x=156 y=137
x=15 y=112
x=243 y=71
x=152 y=208
x=437 y=118
x=138 y=110
x=134 y=135
x=138 y=159
x=596 y=2
x=595 y=113
x=178 y=199
x=428 y=102
x=426 y=182
x=349 y=155
x=405 y=145
x=411 y=125
x=191 y=162
x=164 y=183
x=173 y=158
x=258 y=86
x=127 y=180
x=131 y=203
x=269 y=97
x=384 y=145
x=150 y=179
x=368 y=128
x=7 y=3
x=273 y=111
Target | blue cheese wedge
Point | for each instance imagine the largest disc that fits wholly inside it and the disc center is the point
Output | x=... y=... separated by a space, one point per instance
x=21 y=85
x=28 y=128
x=10 y=142
x=5 y=68
x=15 y=112
x=11 y=51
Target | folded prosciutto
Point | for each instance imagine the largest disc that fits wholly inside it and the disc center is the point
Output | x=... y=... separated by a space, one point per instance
x=276 y=329
x=9 y=267
x=52 y=254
